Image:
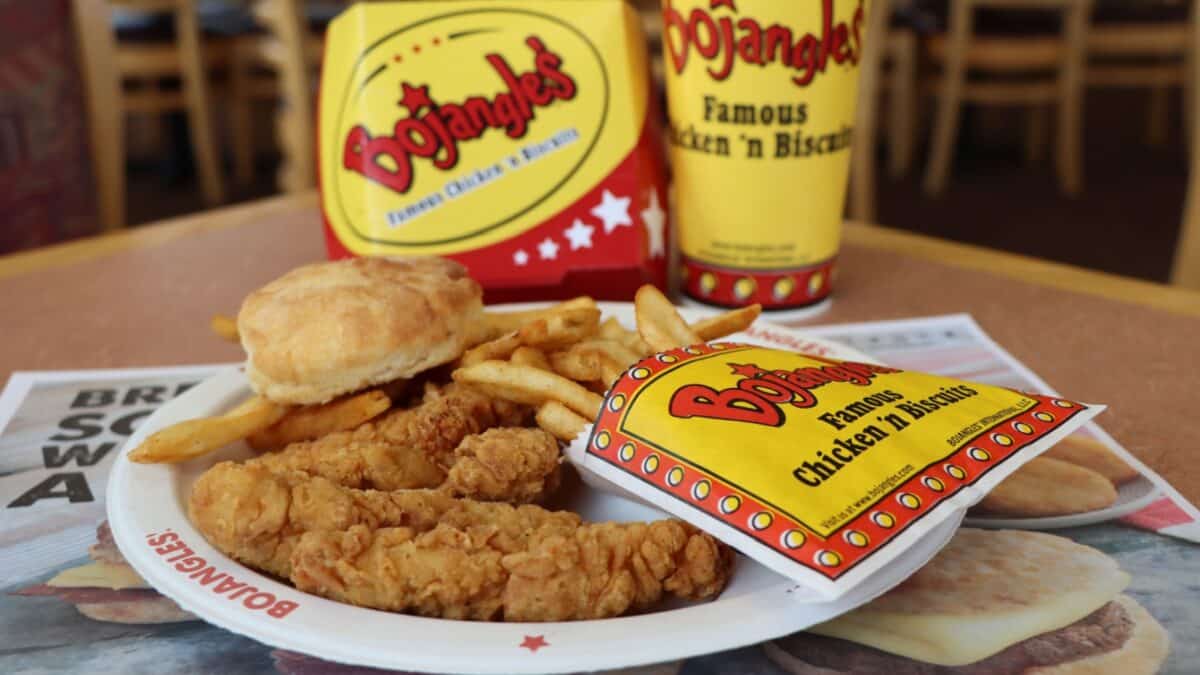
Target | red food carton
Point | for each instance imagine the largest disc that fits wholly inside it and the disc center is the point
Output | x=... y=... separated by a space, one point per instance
x=519 y=138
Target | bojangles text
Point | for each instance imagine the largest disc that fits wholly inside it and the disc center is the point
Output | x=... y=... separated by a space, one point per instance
x=432 y=131
x=725 y=40
x=759 y=393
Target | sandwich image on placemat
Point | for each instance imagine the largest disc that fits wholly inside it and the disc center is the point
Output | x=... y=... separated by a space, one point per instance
x=108 y=589
x=996 y=603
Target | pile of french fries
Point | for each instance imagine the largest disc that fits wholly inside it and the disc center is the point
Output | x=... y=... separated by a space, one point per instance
x=560 y=360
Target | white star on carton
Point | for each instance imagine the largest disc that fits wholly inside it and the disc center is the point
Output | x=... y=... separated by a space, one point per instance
x=548 y=250
x=520 y=258
x=613 y=210
x=655 y=219
x=579 y=235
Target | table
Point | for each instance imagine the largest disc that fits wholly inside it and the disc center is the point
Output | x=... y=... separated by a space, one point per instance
x=143 y=297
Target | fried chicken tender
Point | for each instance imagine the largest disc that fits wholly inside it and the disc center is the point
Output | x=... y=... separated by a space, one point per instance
x=403 y=449
x=256 y=516
x=559 y=572
x=608 y=569
x=510 y=464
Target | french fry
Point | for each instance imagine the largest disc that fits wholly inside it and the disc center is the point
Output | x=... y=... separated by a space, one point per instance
x=618 y=353
x=600 y=360
x=225 y=327
x=506 y=322
x=499 y=349
x=194 y=438
x=658 y=323
x=310 y=422
x=529 y=385
x=611 y=329
x=609 y=373
x=560 y=421
x=576 y=365
x=560 y=329
x=727 y=323
x=531 y=356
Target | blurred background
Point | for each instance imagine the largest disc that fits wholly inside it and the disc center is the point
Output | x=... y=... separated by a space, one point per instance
x=1055 y=128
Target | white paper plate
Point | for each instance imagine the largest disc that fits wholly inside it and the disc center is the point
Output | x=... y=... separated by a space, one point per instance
x=758 y=605
x=1131 y=498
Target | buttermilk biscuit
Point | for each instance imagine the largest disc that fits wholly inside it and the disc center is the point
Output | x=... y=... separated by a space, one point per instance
x=1092 y=454
x=330 y=328
x=1049 y=487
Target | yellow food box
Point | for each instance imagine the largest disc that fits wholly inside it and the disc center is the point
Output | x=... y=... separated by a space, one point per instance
x=517 y=138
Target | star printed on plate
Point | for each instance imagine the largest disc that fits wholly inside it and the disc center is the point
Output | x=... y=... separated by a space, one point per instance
x=548 y=250
x=520 y=258
x=534 y=642
x=655 y=220
x=579 y=235
x=613 y=210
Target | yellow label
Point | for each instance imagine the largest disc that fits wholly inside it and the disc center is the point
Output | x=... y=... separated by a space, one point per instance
x=819 y=459
x=447 y=127
x=762 y=100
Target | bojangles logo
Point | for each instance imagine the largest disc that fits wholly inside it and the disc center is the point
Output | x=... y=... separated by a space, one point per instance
x=759 y=394
x=433 y=130
x=723 y=41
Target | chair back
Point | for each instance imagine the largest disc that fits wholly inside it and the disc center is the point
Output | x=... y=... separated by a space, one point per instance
x=97 y=50
x=963 y=12
x=288 y=47
x=1186 y=268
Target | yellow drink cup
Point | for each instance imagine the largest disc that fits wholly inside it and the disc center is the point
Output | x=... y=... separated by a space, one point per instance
x=761 y=100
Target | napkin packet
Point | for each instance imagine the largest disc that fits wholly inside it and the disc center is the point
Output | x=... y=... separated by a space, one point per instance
x=823 y=470
x=518 y=138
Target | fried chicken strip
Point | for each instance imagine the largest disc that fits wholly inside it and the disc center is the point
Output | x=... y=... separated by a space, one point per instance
x=586 y=571
x=403 y=449
x=256 y=516
x=510 y=464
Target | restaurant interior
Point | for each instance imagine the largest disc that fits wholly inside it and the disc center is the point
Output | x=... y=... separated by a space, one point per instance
x=1055 y=129
x=634 y=337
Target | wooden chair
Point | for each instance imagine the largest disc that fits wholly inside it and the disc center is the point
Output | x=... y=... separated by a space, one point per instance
x=254 y=79
x=102 y=94
x=900 y=56
x=1151 y=55
x=1050 y=70
x=1186 y=269
x=888 y=64
x=109 y=65
x=292 y=54
x=861 y=205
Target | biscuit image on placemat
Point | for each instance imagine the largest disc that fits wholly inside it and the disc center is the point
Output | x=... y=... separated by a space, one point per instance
x=1049 y=487
x=1091 y=454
